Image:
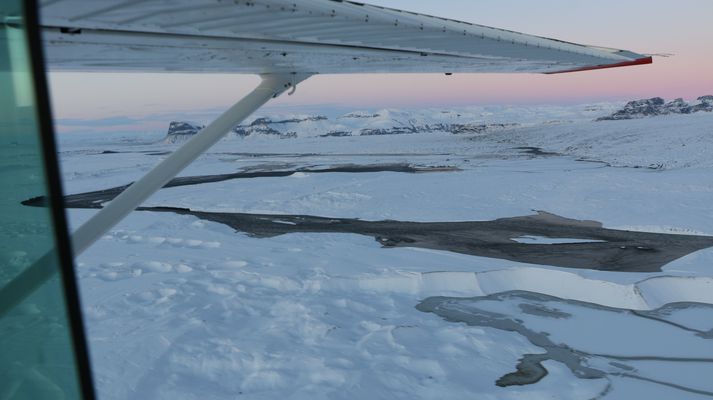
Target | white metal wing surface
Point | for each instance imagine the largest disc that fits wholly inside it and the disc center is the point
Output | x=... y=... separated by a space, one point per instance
x=305 y=36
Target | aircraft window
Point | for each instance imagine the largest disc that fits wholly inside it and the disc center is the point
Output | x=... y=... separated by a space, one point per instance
x=42 y=352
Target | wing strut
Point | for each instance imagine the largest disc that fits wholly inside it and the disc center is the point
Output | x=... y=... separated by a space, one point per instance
x=272 y=86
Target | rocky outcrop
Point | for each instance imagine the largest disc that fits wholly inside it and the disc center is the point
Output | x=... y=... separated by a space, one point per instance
x=336 y=134
x=268 y=121
x=456 y=129
x=657 y=106
x=469 y=129
x=359 y=115
x=705 y=104
x=396 y=130
x=267 y=126
x=320 y=126
x=262 y=129
x=678 y=106
x=179 y=131
x=638 y=109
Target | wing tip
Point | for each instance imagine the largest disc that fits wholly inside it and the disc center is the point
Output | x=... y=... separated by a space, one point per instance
x=638 y=61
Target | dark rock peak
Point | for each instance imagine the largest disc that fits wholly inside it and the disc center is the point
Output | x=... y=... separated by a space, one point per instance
x=182 y=127
x=336 y=134
x=262 y=129
x=268 y=121
x=658 y=106
x=460 y=129
x=261 y=121
x=645 y=106
x=397 y=130
x=706 y=104
x=359 y=115
x=456 y=129
x=678 y=106
x=181 y=130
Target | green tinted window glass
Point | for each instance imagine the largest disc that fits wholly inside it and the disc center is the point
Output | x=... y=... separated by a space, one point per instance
x=37 y=351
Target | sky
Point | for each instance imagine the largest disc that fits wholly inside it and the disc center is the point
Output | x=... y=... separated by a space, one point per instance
x=680 y=29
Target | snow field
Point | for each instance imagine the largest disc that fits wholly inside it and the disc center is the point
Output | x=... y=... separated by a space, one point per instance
x=179 y=308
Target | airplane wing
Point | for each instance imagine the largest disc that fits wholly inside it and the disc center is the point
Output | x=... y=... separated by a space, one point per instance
x=305 y=36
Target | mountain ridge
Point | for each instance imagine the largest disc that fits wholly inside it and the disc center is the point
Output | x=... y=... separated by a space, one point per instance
x=657 y=106
x=467 y=121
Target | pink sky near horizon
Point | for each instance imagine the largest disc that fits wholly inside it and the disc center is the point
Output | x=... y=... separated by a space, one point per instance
x=681 y=28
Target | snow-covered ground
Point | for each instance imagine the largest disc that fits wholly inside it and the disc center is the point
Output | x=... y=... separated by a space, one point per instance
x=180 y=308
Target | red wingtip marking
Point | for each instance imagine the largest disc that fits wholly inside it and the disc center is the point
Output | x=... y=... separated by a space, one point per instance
x=640 y=61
